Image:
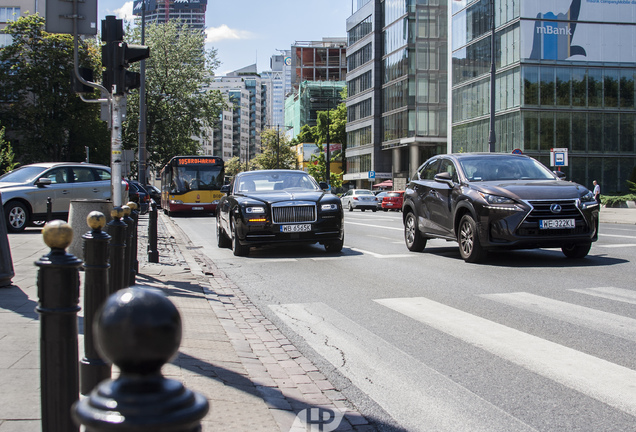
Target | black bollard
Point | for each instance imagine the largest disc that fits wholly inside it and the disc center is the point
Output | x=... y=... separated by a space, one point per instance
x=6 y=262
x=49 y=208
x=93 y=369
x=135 y=215
x=58 y=304
x=117 y=230
x=139 y=330
x=153 y=253
x=129 y=271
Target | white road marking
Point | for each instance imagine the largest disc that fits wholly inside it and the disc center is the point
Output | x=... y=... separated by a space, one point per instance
x=416 y=396
x=602 y=380
x=604 y=322
x=610 y=293
x=374 y=226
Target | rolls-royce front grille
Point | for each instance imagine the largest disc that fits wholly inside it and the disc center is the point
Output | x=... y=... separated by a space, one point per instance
x=294 y=214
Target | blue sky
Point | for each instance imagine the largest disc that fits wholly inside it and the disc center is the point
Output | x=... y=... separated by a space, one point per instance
x=245 y=32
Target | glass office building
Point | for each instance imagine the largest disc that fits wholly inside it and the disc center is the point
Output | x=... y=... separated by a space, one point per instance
x=564 y=79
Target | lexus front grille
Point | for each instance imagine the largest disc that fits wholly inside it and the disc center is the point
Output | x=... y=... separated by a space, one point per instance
x=544 y=210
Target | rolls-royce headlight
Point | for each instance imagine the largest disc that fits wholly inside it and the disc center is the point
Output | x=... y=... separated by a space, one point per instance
x=255 y=210
x=329 y=207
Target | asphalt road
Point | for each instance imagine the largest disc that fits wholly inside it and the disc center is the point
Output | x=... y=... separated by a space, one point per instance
x=529 y=340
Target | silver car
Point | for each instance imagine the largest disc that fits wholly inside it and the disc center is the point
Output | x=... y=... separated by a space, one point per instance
x=25 y=190
x=362 y=199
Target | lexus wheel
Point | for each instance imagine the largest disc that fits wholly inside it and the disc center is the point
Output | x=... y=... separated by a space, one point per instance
x=412 y=236
x=576 y=250
x=468 y=238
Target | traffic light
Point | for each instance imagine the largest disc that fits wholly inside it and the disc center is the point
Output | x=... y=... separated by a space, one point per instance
x=112 y=34
x=126 y=54
x=117 y=55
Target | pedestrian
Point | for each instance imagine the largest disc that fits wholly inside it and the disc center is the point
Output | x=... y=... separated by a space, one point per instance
x=597 y=192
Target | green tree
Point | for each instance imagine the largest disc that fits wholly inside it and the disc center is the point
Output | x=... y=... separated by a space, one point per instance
x=7 y=156
x=44 y=118
x=178 y=105
x=275 y=151
x=234 y=166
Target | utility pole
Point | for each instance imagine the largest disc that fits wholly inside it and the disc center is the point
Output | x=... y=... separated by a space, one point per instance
x=142 y=105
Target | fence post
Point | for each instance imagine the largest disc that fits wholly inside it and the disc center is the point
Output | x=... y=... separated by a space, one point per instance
x=58 y=304
x=93 y=369
x=129 y=271
x=153 y=253
x=117 y=230
x=6 y=262
x=134 y=214
x=139 y=330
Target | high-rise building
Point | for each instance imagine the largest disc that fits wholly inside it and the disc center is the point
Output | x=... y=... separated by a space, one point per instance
x=318 y=61
x=564 y=79
x=246 y=96
x=189 y=12
x=11 y=11
x=397 y=78
x=419 y=76
x=278 y=83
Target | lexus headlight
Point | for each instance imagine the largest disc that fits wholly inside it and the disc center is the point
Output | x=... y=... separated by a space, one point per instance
x=255 y=210
x=588 y=197
x=496 y=199
x=328 y=207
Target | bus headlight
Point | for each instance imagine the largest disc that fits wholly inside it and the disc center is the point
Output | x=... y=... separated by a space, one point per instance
x=176 y=202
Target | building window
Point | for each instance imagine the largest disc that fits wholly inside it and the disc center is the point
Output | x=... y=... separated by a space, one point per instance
x=360 y=30
x=8 y=14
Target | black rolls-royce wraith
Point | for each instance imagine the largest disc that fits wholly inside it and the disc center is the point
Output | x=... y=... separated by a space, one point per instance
x=278 y=206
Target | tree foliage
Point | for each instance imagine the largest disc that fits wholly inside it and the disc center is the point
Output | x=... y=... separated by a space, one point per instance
x=44 y=118
x=275 y=151
x=335 y=122
x=178 y=104
x=7 y=156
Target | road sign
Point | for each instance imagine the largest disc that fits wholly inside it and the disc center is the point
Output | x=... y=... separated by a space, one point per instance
x=559 y=157
x=60 y=16
x=371 y=174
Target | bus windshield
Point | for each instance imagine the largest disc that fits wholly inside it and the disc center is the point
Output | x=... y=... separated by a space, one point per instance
x=196 y=177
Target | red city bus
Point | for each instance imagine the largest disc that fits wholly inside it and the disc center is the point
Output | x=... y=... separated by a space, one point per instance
x=192 y=184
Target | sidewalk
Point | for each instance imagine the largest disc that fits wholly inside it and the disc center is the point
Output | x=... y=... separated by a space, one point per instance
x=253 y=377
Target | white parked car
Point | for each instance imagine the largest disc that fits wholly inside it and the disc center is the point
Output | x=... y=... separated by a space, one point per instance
x=362 y=199
x=25 y=190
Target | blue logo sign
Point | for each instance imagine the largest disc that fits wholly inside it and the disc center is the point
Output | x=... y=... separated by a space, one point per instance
x=553 y=38
x=371 y=174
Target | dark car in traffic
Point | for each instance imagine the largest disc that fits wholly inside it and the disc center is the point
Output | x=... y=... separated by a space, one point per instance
x=488 y=201
x=139 y=195
x=278 y=206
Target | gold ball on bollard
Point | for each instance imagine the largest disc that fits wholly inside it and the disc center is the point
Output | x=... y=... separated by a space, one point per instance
x=126 y=210
x=117 y=213
x=132 y=205
x=57 y=234
x=96 y=220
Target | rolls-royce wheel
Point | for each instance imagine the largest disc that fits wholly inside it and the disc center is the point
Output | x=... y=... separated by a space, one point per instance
x=237 y=247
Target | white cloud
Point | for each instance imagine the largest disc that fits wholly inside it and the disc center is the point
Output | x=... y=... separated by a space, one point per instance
x=215 y=34
x=125 y=12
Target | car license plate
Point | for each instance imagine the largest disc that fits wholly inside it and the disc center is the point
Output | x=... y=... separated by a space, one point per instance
x=295 y=228
x=197 y=208
x=556 y=223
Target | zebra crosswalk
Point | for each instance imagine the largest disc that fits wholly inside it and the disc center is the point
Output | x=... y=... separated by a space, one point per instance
x=400 y=383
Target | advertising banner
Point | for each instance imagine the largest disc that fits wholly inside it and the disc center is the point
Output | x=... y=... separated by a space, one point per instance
x=583 y=30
